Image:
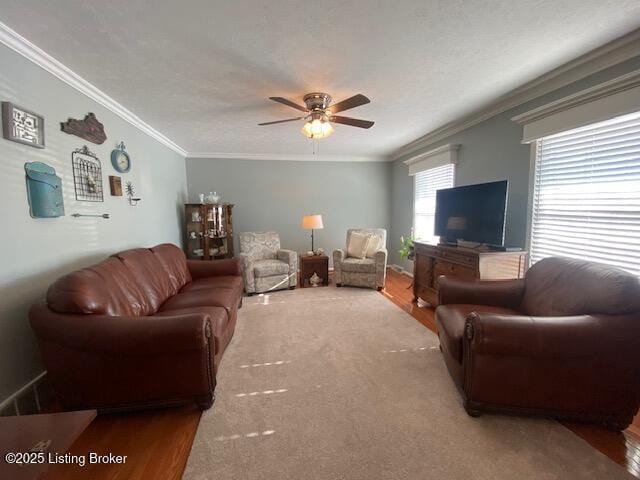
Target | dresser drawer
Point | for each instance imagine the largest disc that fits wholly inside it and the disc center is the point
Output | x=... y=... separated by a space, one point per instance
x=450 y=269
x=471 y=260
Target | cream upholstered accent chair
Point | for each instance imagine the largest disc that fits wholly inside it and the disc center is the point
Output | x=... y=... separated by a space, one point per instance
x=369 y=271
x=266 y=267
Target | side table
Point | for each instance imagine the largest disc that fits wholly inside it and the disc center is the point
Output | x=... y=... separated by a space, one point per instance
x=49 y=433
x=310 y=264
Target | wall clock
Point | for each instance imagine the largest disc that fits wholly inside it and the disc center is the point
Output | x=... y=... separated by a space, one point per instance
x=120 y=159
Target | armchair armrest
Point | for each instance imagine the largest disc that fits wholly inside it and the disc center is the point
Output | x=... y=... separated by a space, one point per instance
x=123 y=335
x=381 y=257
x=553 y=337
x=288 y=256
x=339 y=255
x=214 y=268
x=499 y=293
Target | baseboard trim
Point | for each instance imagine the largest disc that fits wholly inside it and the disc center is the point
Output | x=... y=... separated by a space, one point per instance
x=401 y=270
x=27 y=394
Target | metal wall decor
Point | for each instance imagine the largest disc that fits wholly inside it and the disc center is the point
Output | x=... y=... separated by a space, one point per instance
x=22 y=126
x=87 y=175
x=44 y=191
x=133 y=201
x=89 y=128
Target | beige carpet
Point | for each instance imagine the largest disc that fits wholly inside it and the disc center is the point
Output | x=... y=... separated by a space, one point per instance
x=332 y=383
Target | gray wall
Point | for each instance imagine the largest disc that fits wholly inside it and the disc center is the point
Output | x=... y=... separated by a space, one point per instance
x=490 y=150
x=34 y=252
x=274 y=195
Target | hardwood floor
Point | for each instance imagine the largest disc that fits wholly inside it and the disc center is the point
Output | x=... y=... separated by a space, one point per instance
x=157 y=443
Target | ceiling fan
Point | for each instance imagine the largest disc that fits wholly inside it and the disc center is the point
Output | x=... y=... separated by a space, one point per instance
x=320 y=113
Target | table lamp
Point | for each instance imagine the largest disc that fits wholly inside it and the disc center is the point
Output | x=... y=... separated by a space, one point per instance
x=312 y=222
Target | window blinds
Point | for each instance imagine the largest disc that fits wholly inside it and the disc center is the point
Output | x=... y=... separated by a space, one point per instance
x=586 y=201
x=427 y=183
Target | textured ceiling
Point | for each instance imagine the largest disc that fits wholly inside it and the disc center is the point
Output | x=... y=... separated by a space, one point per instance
x=200 y=71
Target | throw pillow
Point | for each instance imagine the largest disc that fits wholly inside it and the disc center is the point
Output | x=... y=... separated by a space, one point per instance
x=375 y=244
x=358 y=244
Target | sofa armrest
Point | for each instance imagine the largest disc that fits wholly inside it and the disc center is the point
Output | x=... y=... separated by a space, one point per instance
x=338 y=256
x=498 y=293
x=214 y=268
x=123 y=335
x=553 y=337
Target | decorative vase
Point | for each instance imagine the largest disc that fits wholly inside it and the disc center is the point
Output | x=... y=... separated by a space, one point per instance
x=212 y=198
x=315 y=280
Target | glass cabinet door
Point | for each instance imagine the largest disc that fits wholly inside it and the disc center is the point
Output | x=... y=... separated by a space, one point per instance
x=195 y=240
x=216 y=230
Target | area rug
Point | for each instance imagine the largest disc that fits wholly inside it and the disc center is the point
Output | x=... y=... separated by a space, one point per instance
x=327 y=383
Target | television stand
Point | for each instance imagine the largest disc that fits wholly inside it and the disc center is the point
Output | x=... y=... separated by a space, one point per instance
x=432 y=261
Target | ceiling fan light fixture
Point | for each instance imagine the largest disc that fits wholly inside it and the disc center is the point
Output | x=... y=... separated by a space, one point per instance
x=317 y=128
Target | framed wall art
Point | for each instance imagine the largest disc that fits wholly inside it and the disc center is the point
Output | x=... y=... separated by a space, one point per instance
x=115 y=185
x=87 y=175
x=22 y=126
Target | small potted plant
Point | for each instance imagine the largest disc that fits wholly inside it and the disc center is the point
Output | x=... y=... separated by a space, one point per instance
x=407 y=247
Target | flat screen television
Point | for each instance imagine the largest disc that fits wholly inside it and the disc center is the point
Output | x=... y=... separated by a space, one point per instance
x=473 y=213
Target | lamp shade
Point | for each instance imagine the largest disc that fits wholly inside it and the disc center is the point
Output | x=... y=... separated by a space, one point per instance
x=312 y=222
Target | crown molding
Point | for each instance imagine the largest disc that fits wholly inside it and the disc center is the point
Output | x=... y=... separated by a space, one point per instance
x=612 y=53
x=31 y=52
x=289 y=157
x=436 y=151
x=588 y=95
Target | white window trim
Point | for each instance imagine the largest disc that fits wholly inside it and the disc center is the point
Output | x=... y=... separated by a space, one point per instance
x=613 y=98
x=533 y=155
x=433 y=158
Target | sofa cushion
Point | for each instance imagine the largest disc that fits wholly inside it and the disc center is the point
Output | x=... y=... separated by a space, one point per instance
x=148 y=272
x=209 y=297
x=223 y=281
x=359 y=265
x=558 y=286
x=174 y=263
x=266 y=268
x=106 y=288
x=451 y=320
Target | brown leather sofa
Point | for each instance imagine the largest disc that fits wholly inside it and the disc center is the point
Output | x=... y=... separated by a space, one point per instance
x=562 y=343
x=143 y=328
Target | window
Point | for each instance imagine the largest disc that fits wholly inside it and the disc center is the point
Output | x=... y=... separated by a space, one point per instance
x=586 y=201
x=424 y=201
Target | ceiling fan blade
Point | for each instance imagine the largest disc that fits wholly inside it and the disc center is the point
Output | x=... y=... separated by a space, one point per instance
x=282 y=121
x=289 y=103
x=350 y=102
x=354 y=122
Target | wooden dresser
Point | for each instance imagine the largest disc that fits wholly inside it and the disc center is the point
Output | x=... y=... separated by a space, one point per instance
x=431 y=261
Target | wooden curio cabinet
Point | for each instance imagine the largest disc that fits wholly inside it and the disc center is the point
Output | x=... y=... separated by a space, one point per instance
x=209 y=231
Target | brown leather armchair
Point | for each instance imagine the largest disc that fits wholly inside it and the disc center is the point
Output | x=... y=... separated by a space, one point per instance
x=562 y=343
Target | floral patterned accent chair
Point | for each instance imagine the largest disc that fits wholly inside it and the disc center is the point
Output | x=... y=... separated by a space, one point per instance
x=266 y=267
x=364 y=262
